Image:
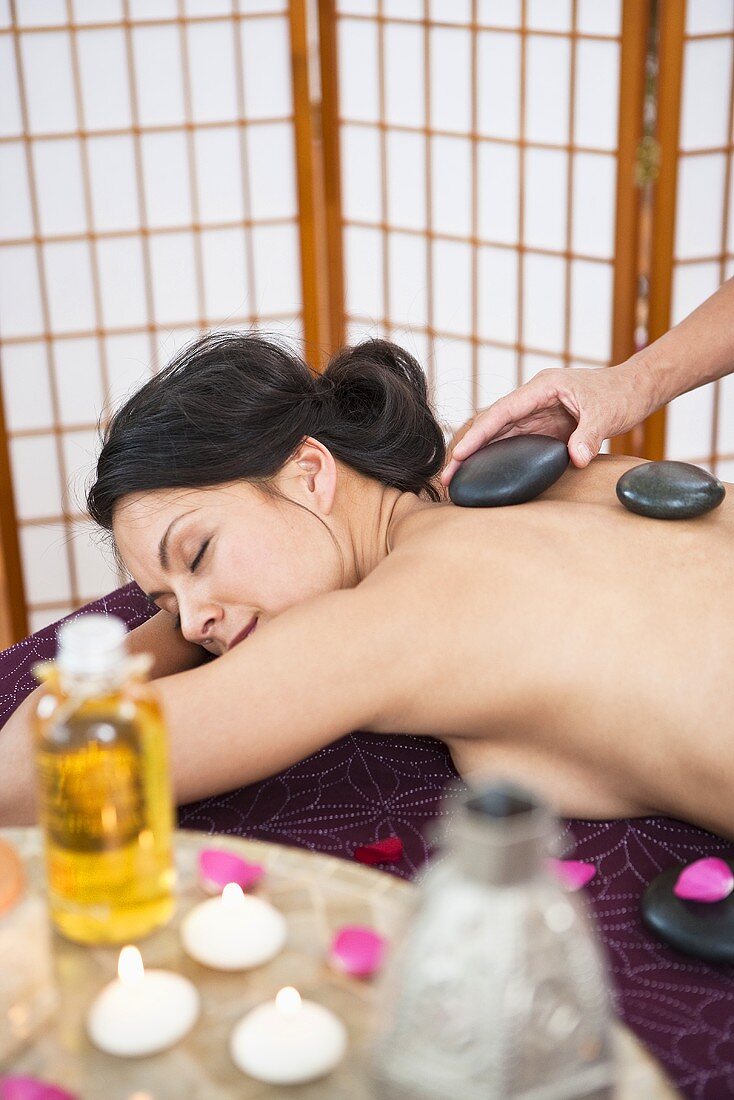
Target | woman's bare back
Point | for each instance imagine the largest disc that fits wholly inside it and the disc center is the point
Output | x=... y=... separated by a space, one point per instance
x=582 y=649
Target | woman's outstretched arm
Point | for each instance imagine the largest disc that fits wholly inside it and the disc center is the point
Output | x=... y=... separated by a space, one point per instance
x=316 y=672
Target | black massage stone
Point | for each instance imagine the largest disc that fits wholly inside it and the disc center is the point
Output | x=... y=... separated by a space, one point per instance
x=700 y=928
x=510 y=471
x=669 y=490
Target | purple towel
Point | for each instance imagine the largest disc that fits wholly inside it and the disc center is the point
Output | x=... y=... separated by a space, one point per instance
x=366 y=787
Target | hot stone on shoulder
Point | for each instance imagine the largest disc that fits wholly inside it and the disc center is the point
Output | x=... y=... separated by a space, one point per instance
x=669 y=490
x=510 y=471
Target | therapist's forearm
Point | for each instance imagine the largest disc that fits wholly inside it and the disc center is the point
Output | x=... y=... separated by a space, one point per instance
x=698 y=350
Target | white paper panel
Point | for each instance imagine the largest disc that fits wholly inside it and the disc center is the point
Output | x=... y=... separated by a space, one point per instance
x=451 y=185
x=128 y=364
x=48 y=83
x=26 y=389
x=414 y=341
x=81 y=450
x=40 y=13
x=140 y=10
x=404 y=77
x=358 y=86
x=498 y=174
x=546 y=191
x=534 y=364
x=591 y=309
x=225 y=275
x=452 y=391
x=500 y=13
x=725 y=470
x=599 y=16
x=211 y=49
x=688 y=424
x=267 y=68
x=97 y=11
x=497 y=374
x=158 y=75
x=122 y=282
x=16 y=219
x=408 y=280
x=450 y=11
x=699 y=211
x=174 y=277
x=36 y=496
x=20 y=300
x=361 y=175
x=549 y=15
x=692 y=284
x=498 y=90
x=363 y=7
x=272 y=171
x=105 y=81
x=725 y=442
x=452 y=287
x=45 y=568
x=95 y=564
x=596 y=98
x=406 y=173
x=257 y=7
x=497 y=294
x=218 y=174
x=278 y=269
x=450 y=86
x=79 y=380
x=594 y=204
x=547 y=104
x=730 y=220
x=59 y=186
x=363 y=266
x=707 y=67
x=544 y=302
x=10 y=115
x=113 y=183
x=166 y=179
x=69 y=286
x=706 y=16
x=207 y=7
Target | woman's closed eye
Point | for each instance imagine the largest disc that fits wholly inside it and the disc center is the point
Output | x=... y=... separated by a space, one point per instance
x=197 y=560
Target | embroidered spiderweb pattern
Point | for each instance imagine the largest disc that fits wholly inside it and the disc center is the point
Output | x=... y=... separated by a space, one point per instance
x=365 y=787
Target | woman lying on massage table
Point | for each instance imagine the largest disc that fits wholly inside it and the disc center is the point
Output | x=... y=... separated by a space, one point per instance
x=289 y=524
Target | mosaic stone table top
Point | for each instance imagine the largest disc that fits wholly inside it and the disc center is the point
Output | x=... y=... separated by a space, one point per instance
x=317 y=894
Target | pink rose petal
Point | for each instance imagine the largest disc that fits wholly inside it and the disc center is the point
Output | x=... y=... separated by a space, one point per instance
x=358 y=950
x=30 y=1088
x=708 y=880
x=573 y=873
x=217 y=867
x=382 y=851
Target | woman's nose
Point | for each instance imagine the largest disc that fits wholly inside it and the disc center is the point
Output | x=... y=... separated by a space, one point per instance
x=198 y=624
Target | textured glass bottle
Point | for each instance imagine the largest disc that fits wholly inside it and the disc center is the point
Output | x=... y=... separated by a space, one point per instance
x=498 y=989
x=104 y=788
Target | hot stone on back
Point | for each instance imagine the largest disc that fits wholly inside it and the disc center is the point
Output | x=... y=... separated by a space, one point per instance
x=510 y=471
x=669 y=490
x=498 y=989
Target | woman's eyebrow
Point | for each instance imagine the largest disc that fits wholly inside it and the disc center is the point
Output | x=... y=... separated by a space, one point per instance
x=163 y=551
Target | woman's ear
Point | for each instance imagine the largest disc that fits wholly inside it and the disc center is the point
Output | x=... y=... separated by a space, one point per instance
x=312 y=475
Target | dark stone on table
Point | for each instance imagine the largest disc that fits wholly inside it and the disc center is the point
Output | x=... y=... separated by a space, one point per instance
x=669 y=490
x=510 y=471
x=700 y=928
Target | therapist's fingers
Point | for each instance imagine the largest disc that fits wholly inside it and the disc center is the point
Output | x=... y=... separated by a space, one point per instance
x=585 y=442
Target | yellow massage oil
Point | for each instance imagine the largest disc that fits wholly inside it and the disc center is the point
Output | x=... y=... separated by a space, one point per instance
x=105 y=801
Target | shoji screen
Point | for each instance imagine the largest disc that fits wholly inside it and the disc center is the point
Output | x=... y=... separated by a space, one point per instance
x=148 y=192
x=697 y=97
x=479 y=143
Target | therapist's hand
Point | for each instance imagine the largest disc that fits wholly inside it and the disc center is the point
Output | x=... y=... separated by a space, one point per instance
x=582 y=406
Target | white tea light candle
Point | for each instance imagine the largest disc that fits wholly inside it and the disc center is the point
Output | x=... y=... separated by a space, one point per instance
x=234 y=931
x=142 y=1011
x=288 y=1041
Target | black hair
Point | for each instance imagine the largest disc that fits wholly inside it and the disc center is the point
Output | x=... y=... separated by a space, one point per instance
x=234 y=405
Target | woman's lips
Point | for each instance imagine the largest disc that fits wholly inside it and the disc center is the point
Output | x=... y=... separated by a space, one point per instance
x=243 y=634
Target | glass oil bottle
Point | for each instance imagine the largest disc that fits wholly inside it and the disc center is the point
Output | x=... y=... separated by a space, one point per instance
x=104 y=791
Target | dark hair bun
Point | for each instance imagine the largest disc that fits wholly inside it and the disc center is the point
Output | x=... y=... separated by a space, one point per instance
x=381 y=422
